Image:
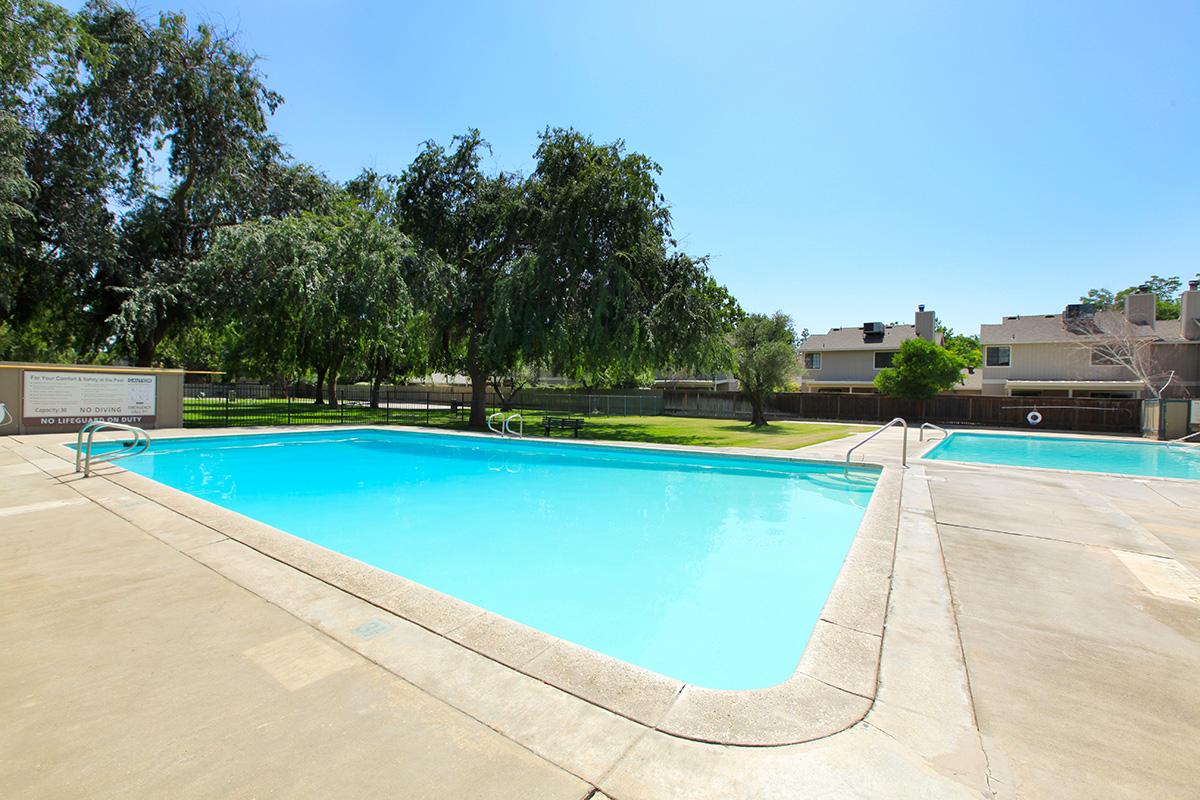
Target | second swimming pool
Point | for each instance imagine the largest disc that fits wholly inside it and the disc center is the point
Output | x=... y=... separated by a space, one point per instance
x=1151 y=459
x=710 y=569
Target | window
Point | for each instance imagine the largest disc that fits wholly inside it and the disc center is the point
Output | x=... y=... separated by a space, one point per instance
x=812 y=360
x=884 y=360
x=998 y=356
x=1101 y=358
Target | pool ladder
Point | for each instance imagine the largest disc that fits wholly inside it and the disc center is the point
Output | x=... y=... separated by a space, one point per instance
x=903 y=446
x=932 y=427
x=505 y=428
x=84 y=460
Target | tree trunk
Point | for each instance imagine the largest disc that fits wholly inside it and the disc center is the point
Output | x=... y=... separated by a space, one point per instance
x=375 y=384
x=479 y=379
x=757 y=417
x=145 y=353
x=320 y=401
x=332 y=383
x=148 y=347
x=478 y=401
x=381 y=365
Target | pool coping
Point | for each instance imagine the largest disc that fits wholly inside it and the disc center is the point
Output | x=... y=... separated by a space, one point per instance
x=924 y=459
x=832 y=688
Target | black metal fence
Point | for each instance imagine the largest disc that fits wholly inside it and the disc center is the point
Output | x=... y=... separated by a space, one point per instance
x=215 y=405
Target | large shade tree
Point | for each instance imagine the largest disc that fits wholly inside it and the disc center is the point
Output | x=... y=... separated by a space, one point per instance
x=472 y=221
x=314 y=290
x=606 y=289
x=142 y=138
x=572 y=267
x=43 y=50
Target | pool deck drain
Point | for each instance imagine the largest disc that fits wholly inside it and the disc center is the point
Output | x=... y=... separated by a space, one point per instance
x=99 y=613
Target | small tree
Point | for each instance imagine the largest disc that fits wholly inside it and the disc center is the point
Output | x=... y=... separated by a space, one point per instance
x=1121 y=344
x=764 y=358
x=920 y=370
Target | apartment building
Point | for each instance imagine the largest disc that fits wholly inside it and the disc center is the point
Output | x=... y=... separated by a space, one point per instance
x=848 y=359
x=1084 y=352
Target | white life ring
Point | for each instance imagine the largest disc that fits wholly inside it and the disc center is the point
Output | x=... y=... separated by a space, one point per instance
x=1033 y=417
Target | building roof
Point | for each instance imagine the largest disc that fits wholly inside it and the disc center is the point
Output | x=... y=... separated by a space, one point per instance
x=972 y=380
x=1049 y=328
x=855 y=339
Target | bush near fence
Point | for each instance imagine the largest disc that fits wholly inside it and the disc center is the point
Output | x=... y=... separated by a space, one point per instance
x=1058 y=413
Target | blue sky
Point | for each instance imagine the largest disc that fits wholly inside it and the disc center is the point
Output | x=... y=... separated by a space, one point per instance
x=841 y=162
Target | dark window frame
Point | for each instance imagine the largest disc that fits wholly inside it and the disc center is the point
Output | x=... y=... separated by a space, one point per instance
x=987 y=355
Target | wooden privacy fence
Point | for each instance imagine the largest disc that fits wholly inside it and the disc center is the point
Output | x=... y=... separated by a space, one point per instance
x=1057 y=413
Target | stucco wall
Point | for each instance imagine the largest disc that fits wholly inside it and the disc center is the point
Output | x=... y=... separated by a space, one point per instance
x=844 y=365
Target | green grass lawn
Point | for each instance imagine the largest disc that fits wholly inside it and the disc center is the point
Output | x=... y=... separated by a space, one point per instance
x=214 y=412
x=706 y=432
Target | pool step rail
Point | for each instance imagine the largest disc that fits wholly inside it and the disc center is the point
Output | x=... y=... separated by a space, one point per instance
x=84 y=460
x=505 y=428
x=903 y=445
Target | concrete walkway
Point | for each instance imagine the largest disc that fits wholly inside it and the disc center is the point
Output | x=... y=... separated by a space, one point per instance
x=130 y=670
x=1080 y=622
x=1042 y=641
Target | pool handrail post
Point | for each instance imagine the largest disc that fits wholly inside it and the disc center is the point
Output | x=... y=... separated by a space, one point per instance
x=931 y=426
x=903 y=445
x=139 y=436
x=519 y=419
x=491 y=417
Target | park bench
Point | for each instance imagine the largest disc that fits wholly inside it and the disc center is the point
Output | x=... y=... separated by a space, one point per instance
x=573 y=424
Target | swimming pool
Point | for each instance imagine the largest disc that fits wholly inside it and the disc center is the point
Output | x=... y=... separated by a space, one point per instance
x=711 y=569
x=1151 y=459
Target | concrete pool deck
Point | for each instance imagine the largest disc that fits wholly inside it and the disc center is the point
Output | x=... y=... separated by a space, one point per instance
x=1040 y=639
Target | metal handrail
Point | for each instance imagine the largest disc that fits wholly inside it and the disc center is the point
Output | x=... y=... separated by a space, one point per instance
x=903 y=448
x=924 y=425
x=139 y=444
x=519 y=419
x=489 y=423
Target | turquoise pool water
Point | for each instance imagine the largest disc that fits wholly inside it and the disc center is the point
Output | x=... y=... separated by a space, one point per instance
x=1152 y=459
x=710 y=569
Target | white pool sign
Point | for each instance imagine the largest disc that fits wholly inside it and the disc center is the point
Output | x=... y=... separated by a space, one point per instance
x=69 y=398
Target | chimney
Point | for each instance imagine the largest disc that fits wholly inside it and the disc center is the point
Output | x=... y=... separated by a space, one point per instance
x=1189 y=311
x=1139 y=306
x=924 y=323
